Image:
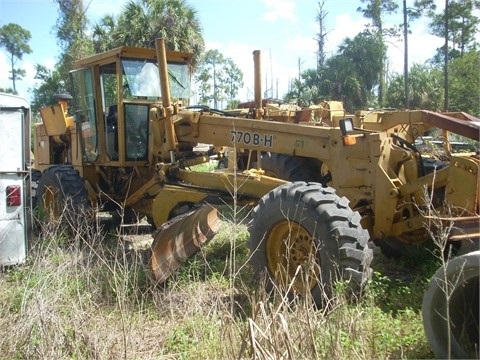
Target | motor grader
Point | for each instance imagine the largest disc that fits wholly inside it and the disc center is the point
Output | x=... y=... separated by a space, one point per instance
x=321 y=183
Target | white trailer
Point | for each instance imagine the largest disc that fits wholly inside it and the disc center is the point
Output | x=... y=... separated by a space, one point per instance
x=15 y=214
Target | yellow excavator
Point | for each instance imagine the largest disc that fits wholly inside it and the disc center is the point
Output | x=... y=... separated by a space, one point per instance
x=322 y=183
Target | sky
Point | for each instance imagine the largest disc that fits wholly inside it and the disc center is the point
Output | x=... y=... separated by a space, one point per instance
x=283 y=30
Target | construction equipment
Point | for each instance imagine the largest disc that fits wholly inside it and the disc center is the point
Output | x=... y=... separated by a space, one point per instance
x=131 y=145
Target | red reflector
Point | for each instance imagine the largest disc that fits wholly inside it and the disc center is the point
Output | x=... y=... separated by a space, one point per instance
x=349 y=140
x=14 y=197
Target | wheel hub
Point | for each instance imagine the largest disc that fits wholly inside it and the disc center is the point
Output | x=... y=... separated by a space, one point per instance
x=291 y=256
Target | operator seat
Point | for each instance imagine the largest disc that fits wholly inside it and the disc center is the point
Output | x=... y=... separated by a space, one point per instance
x=112 y=131
x=112 y=116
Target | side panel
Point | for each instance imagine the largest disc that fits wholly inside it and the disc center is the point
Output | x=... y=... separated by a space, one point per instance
x=14 y=224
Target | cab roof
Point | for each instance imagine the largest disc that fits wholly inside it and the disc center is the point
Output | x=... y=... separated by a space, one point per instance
x=131 y=52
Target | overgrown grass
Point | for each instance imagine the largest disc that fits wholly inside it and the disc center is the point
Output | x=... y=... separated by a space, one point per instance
x=87 y=295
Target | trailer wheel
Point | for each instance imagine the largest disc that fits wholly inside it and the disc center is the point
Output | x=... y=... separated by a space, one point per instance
x=305 y=238
x=62 y=196
x=459 y=280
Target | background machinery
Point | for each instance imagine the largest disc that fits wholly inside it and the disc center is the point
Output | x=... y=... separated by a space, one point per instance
x=322 y=183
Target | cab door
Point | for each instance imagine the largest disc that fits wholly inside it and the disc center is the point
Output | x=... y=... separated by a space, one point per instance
x=85 y=112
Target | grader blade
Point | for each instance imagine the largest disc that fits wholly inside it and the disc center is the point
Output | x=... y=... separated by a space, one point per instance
x=180 y=239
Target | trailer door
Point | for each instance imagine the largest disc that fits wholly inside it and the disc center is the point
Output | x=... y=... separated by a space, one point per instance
x=14 y=170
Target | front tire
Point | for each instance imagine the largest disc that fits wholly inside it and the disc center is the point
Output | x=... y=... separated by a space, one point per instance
x=305 y=237
x=62 y=196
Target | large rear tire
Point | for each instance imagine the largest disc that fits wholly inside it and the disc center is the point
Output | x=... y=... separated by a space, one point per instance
x=306 y=238
x=62 y=196
x=290 y=168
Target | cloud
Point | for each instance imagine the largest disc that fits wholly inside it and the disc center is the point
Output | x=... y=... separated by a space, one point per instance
x=303 y=50
x=345 y=27
x=4 y=64
x=242 y=55
x=275 y=75
x=98 y=9
x=212 y=45
x=279 y=10
x=301 y=44
x=279 y=77
x=422 y=46
x=280 y=65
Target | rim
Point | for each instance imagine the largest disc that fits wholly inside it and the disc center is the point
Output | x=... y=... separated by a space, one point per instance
x=291 y=256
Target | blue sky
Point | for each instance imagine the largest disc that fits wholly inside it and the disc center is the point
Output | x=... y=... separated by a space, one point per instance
x=283 y=30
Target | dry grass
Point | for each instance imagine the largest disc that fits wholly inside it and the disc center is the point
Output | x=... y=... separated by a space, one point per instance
x=85 y=295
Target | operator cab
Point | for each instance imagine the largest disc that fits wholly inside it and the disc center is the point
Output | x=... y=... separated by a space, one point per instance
x=113 y=94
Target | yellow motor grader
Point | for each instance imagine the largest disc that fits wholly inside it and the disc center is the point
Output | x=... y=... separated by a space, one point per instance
x=322 y=183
